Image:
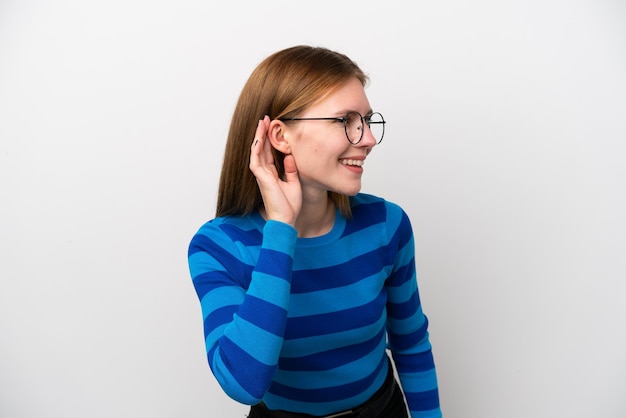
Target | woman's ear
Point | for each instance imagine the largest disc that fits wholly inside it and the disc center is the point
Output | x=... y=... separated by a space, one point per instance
x=278 y=136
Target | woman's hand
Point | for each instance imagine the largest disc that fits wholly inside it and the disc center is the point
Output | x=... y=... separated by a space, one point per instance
x=282 y=198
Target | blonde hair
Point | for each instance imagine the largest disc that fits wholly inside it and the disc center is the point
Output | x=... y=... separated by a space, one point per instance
x=282 y=86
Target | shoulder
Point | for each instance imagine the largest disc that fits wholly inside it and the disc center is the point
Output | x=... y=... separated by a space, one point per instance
x=369 y=211
x=230 y=224
x=227 y=231
x=369 y=203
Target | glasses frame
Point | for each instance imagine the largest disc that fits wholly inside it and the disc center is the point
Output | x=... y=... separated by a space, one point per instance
x=344 y=119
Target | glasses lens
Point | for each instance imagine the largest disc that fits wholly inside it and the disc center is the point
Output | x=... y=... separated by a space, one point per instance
x=377 y=126
x=354 y=127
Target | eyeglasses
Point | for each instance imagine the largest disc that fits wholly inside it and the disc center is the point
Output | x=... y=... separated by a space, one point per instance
x=353 y=124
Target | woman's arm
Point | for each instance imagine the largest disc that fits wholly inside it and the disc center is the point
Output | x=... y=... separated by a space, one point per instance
x=244 y=298
x=408 y=330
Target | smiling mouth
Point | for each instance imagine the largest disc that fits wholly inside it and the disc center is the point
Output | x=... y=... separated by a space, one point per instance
x=358 y=163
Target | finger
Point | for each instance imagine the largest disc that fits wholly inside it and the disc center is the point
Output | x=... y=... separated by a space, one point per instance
x=291 y=171
x=266 y=144
x=259 y=135
x=255 y=149
x=261 y=157
x=258 y=141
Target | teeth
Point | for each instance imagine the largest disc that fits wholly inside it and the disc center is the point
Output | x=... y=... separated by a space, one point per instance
x=352 y=162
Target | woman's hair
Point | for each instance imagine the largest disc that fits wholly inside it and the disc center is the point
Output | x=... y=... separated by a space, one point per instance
x=283 y=85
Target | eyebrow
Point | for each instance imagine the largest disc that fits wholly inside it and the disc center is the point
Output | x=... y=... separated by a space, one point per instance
x=346 y=111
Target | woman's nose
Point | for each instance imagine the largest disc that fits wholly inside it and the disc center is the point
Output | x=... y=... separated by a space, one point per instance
x=368 y=139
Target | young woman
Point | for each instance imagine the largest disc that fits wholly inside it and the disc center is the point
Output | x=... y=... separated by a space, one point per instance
x=305 y=283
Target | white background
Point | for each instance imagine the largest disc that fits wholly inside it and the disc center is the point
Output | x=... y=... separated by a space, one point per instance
x=505 y=144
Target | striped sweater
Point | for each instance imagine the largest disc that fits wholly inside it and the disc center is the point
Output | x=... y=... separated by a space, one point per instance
x=304 y=324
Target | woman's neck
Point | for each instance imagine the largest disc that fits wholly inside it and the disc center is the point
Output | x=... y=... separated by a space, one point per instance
x=316 y=217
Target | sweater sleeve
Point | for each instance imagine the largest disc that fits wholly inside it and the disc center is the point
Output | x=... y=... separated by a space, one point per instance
x=408 y=330
x=244 y=295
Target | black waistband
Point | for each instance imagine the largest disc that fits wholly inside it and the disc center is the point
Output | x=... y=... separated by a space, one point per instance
x=370 y=408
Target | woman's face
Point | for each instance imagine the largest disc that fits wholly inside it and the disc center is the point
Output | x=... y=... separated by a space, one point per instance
x=325 y=159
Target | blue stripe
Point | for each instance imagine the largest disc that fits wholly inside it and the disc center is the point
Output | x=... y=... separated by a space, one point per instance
x=212 y=279
x=322 y=408
x=204 y=283
x=219 y=317
x=332 y=358
x=212 y=337
x=211 y=356
x=283 y=237
x=365 y=215
x=201 y=242
x=423 y=401
x=405 y=248
x=230 y=262
x=314 y=379
x=263 y=314
x=341 y=274
x=404 y=309
x=272 y=289
x=273 y=262
x=330 y=323
x=201 y=262
x=401 y=341
x=403 y=274
x=402 y=292
x=414 y=323
x=249 y=238
x=431 y=413
x=240 y=364
x=421 y=362
x=217 y=298
x=402 y=231
x=420 y=381
x=341 y=298
x=260 y=344
x=328 y=394
x=312 y=345
x=230 y=385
